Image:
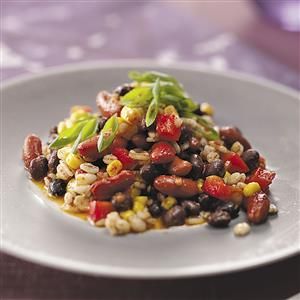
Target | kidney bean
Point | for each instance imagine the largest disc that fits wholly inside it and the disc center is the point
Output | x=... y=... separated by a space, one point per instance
x=257 y=208
x=108 y=104
x=176 y=186
x=174 y=216
x=53 y=161
x=179 y=167
x=231 y=134
x=219 y=218
x=251 y=158
x=191 y=208
x=89 y=150
x=32 y=148
x=162 y=153
x=149 y=173
x=105 y=188
x=139 y=140
x=197 y=166
x=38 y=168
x=217 y=167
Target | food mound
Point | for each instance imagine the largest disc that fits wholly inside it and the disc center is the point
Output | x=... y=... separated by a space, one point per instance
x=151 y=158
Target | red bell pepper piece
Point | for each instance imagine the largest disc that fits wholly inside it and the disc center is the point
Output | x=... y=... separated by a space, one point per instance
x=99 y=210
x=122 y=155
x=263 y=177
x=215 y=187
x=236 y=163
x=167 y=129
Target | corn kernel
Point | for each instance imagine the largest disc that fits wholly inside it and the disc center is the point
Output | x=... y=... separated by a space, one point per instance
x=138 y=206
x=78 y=114
x=126 y=130
x=74 y=161
x=132 y=115
x=170 y=110
x=114 y=168
x=127 y=214
x=226 y=177
x=251 y=188
x=200 y=184
x=158 y=224
x=142 y=199
x=168 y=202
x=62 y=153
x=81 y=107
x=207 y=108
x=134 y=192
x=61 y=127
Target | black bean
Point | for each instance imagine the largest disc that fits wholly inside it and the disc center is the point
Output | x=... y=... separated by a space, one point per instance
x=186 y=134
x=53 y=162
x=199 y=112
x=143 y=127
x=155 y=209
x=185 y=155
x=216 y=167
x=230 y=134
x=139 y=141
x=152 y=192
x=251 y=158
x=53 y=130
x=207 y=203
x=57 y=187
x=231 y=208
x=101 y=123
x=149 y=173
x=38 y=168
x=198 y=166
x=121 y=201
x=123 y=89
x=191 y=208
x=194 y=145
x=175 y=216
x=219 y=218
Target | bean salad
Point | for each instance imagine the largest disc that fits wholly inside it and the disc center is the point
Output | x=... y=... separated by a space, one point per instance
x=151 y=158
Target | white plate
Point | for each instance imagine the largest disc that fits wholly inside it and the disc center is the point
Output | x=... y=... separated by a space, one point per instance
x=33 y=229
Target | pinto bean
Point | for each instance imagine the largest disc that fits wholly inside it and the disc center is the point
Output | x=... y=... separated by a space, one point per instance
x=108 y=104
x=89 y=150
x=258 y=208
x=38 y=167
x=231 y=134
x=139 y=140
x=105 y=188
x=176 y=186
x=32 y=149
x=179 y=167
x=162 y=153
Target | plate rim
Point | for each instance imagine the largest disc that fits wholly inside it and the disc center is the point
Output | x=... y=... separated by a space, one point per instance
x=140 y=273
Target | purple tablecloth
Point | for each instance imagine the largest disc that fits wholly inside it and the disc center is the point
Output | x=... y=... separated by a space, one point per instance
x=39 y=34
